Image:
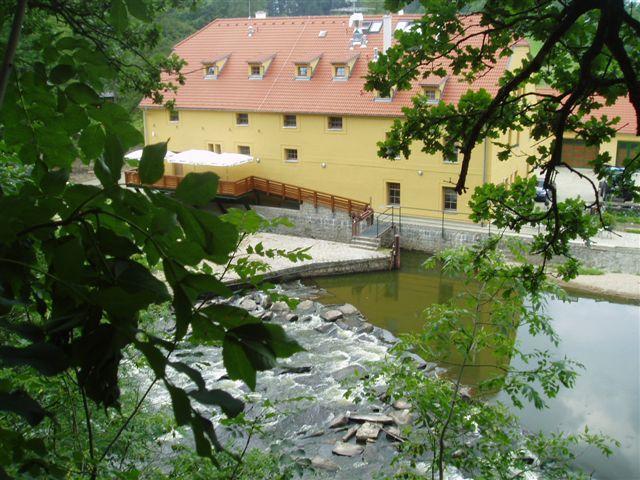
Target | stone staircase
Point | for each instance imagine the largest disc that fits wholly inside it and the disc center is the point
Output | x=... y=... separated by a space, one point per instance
x=367 y=243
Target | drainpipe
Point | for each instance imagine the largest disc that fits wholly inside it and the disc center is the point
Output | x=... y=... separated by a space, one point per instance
x=144 y=124
x=485 y=161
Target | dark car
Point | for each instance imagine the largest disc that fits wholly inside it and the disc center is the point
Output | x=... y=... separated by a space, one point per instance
x=543 y=194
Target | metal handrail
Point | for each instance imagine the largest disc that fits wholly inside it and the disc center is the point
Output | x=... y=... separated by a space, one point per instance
x=385 y=215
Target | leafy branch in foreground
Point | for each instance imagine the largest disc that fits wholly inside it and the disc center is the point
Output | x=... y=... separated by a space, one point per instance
x=589 y=56
x=458 y=422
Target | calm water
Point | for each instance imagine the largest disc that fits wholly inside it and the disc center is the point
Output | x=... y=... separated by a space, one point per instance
x=602 y=335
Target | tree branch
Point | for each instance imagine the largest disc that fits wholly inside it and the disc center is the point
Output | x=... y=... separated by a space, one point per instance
x=12 y=46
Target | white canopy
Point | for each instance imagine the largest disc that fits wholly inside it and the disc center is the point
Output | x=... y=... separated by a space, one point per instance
x=208 y=158
x=137 y=155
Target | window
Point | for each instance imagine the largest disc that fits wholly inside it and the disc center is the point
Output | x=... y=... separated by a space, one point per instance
x=340 y=72
x=452 y=157
x=211 y=71
x=514 y=138
x=449 y=198
x=334 y=123
x=303 y=71
x=215 y=147
x=431 y=93
x=290 y=121
x=291 y=154
x=577 y=154
x=242 y=119
x=177 y=170
x=626 y=150
x=244 y=149
x=393 y=193
x=256 y=70
x=174 y=116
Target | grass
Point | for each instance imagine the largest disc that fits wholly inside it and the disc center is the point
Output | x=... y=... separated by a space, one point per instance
x=633 y=230
x=590 y=271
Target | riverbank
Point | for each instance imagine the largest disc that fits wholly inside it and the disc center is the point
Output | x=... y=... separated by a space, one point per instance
x=327 y=258
x=619 y=286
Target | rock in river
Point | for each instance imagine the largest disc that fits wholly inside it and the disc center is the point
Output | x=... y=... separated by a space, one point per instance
x=248 y=304
x=371 y=417
x=331 y=315
x=324 y=464
x=305 y=306
x=280 y=307
x=367 y=431
x=347 y=449
x=348 y=309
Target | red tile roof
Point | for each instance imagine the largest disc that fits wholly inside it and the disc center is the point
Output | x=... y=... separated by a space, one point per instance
x=622 y=109
x=292 y=39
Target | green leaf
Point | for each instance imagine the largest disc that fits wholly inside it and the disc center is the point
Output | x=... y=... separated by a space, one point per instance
x=115 y=245
x=237 y=362
x=46 y=358
x=82 y=94
x=135 y=278
x=108 y=168
x=198 y=188
x=205 y=332
x=190 y=372
x=200 y=284
x=118 y=15
x=138 y=8
x=21 y=403
x=61 y=73
x=181 y=404
x=157 y=360
x=228 y=316
x=231 y=406
x=92 y=141
x=152 y=162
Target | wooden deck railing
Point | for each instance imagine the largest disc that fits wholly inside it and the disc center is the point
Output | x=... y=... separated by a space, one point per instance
x=271 y=187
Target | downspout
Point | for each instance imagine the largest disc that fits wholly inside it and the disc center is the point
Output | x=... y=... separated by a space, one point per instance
x=487 y=152
x=144 y=124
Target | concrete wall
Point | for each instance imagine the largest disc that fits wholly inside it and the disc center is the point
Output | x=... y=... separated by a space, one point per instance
x=323 y=224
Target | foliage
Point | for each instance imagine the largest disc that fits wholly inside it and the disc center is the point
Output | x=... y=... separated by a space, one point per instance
x=80 y=264
x=476 y=331
x=587 y=54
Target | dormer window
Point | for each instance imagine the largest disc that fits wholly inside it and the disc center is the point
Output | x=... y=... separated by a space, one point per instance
x=258 y=68
x=305 y=68
x=213 y=68
x=343 y=67
x=303 y=71
x=432 y=93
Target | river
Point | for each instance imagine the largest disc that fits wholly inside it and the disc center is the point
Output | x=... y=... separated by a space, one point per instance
x=602 y=334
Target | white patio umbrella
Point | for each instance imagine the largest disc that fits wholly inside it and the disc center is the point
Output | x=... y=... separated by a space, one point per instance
x=137 y=155
x=210 y=159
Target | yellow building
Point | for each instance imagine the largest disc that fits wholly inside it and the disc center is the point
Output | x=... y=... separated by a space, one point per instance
x=289 y=92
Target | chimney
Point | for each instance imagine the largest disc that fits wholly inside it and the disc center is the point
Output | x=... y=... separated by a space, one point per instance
x=261 y=14
x=387 y=33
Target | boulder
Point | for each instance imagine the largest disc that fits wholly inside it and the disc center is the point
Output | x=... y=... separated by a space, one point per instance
x=280 y=307
x=291 y=317
x=305 y=306
x=367 y=431
x=266 y=316
x=339 y=421
x=401 y=417
x=266 y=301
x=322 y=463
x=296 y=370
x=347 y=372
x=350 y=433
x=385 y=335
x=348 y=309
x=393 y=433
x=365 y=327
x=325 y=328
x=401 y=404
x=331 y=315
x=305 y=318
x=372 y=418
x=347 y=449
x=349 y=323
x=248 y=304
x=417 y=360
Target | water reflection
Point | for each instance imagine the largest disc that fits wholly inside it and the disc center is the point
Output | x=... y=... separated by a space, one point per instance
x=602 y=335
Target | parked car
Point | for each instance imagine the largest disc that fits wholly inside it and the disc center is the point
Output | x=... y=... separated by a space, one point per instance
x=543 y=194
x=618 y=186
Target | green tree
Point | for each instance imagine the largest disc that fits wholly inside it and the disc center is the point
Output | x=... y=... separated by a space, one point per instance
x=589 y=56
x=80 y=264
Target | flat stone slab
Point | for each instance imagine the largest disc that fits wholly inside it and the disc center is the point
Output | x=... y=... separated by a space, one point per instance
x=365 y=327
x=322 y=463
x=305 y=306
x=347 y=449
x=325 y=328
x=346 y=372
x=350 y=433
x=248 y=304
x=331 y=315
x=401 y=405
x=349 y=323
x=401 y=417
x=367 y=431
x=347 y=309
x=371 y=417
x=339 y=421
x=280 y=306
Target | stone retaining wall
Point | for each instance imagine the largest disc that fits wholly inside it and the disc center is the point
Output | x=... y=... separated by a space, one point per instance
x=323 y=224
